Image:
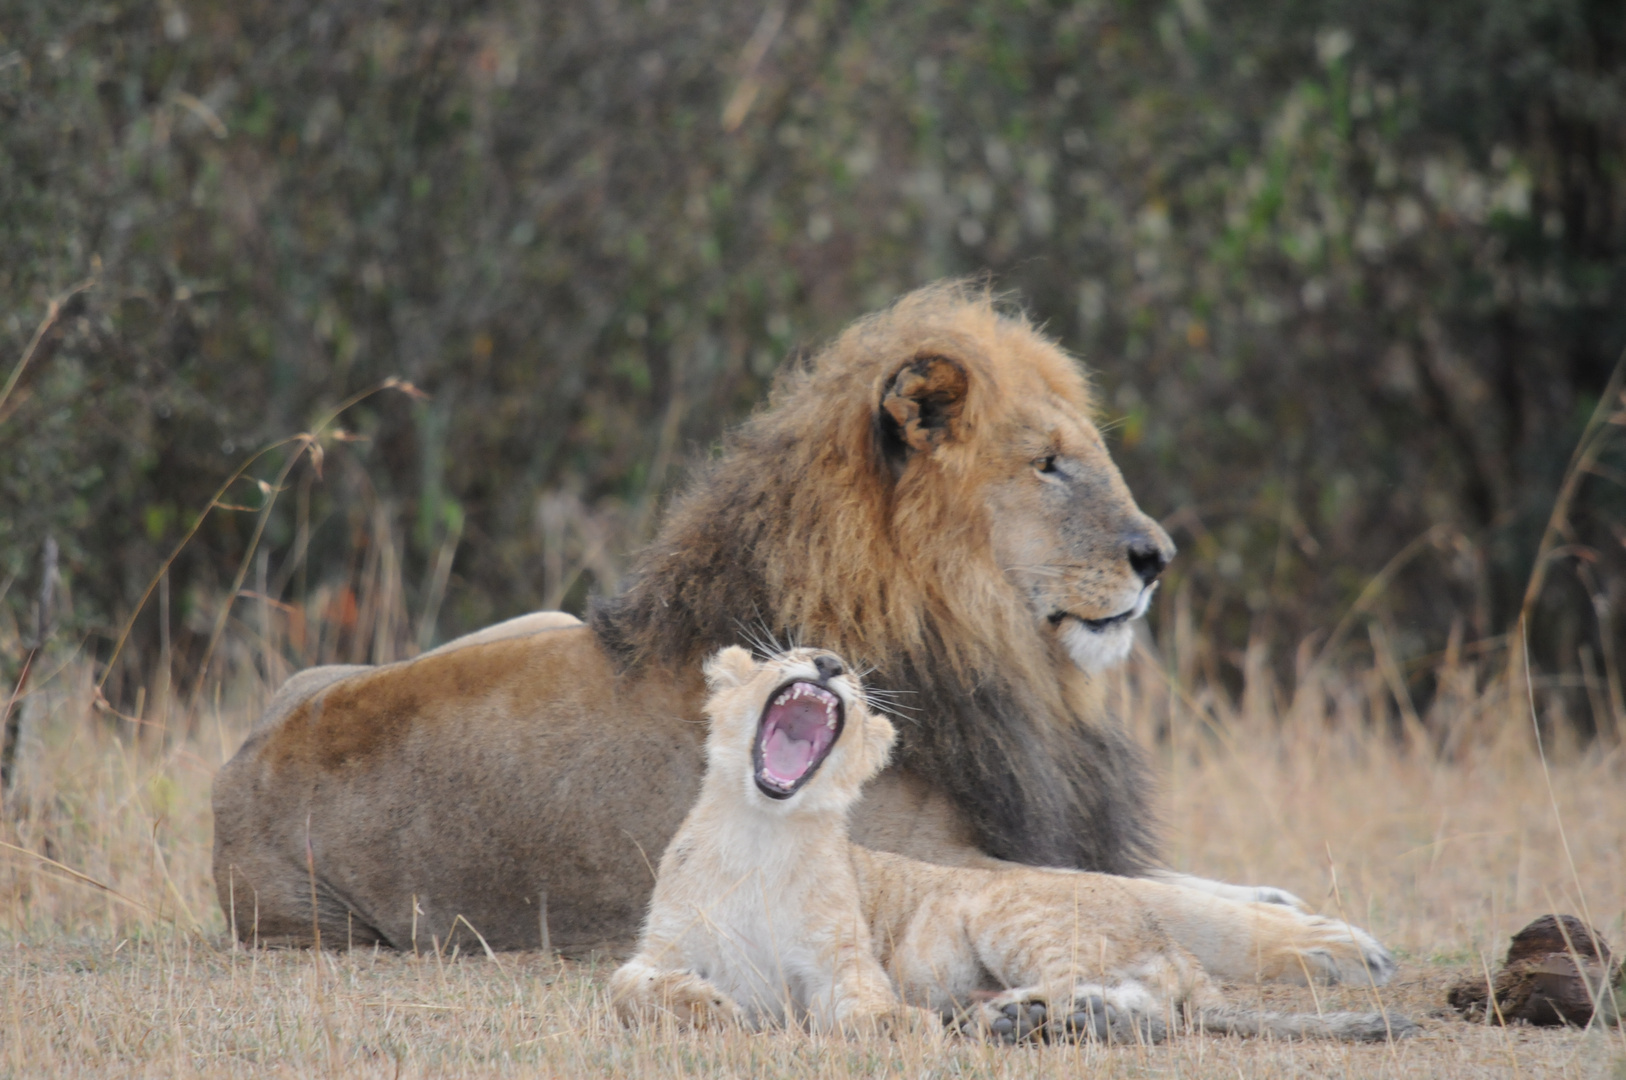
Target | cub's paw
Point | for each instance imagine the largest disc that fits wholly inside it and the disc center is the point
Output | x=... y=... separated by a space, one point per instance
x=695 y=1003
x=1097 y=1015
x=707 y=1012
x=1008 y=1018
x=896 y=1022
x=1090 y=1017
x=1089 y=1014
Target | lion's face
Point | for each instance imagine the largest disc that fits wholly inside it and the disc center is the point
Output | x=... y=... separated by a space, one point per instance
x=793 y=730
x=1069 y=536
x=1064 y=530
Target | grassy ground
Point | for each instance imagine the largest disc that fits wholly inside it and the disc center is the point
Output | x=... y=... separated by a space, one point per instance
x=1442 y=838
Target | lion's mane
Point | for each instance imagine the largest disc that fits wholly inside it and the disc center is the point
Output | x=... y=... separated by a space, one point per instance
x=810 y=526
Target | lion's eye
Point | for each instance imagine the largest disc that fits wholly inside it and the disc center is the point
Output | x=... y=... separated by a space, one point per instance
x=1046 y=464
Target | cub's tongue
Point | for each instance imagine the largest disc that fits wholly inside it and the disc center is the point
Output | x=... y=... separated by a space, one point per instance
x=795 y=734
x=786 y=758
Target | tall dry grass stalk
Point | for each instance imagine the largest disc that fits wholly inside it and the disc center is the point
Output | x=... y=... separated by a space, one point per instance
x=1442 y=826
x=1435 y=830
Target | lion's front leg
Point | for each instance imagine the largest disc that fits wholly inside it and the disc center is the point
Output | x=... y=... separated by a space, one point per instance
x=1246 y=894
x=1265 y=942
x=641 y=991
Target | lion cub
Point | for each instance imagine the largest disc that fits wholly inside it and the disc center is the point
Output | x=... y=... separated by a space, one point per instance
x=765 y=912
x=755 y=916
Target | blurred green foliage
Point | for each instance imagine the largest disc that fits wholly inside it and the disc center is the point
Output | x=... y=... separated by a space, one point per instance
x=1345 y=272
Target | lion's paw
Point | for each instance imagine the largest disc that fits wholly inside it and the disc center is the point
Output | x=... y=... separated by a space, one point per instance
x=1269 y=894
x=1345 y=953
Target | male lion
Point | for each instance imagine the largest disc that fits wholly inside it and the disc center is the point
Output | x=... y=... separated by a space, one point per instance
x=927 y=495
x=765 y=912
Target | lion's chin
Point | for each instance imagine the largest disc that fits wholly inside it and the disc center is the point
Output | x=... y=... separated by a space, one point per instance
x=1097 y=650
x=1099 y=644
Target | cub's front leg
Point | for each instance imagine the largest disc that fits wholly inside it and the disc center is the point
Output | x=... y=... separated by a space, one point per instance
x=641 y=991
x=895 y=1020
x=1082 y=958
x=860 y=1000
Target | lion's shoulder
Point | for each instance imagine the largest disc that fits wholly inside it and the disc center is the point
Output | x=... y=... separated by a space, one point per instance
x=536 y=622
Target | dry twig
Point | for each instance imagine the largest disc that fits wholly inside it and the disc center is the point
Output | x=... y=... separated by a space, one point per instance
x=53 y=311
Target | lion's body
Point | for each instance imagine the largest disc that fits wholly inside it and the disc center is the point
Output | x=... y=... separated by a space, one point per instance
x=927 y=495
x=406 y=773
x=765 y=910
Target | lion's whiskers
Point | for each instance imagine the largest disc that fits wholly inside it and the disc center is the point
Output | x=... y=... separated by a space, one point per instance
x=1053 y=569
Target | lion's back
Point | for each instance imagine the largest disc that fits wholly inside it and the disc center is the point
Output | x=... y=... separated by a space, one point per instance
x=452 y=777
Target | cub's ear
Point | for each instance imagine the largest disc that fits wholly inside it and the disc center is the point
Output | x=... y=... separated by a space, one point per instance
x=730 y=667
x=921 y=406
x=879 y=738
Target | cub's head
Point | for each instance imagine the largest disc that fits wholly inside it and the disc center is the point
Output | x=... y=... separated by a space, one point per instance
x=793 y=731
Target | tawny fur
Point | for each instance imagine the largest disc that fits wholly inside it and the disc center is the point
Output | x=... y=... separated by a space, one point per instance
x=927 y=495
x=764 y=911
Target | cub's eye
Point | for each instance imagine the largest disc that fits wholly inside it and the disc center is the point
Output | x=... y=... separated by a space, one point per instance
x=1046 y=464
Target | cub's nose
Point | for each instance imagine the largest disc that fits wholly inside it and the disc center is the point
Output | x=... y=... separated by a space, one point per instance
x=1146 y=558
x=829 y=666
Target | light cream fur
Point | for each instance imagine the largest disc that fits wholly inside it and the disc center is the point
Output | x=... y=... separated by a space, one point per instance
x=764 y=912
x=753 y=917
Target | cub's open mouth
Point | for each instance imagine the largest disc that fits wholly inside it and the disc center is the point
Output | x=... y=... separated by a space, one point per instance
x=802 y=722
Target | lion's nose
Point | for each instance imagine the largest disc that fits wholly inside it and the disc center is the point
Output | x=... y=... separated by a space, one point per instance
x=1146 y=558
x=829 y=666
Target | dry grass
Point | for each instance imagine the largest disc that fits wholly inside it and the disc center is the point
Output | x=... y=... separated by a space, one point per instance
x=1443 y=855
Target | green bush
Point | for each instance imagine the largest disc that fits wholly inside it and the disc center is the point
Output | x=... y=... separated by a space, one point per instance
x=1345 y=272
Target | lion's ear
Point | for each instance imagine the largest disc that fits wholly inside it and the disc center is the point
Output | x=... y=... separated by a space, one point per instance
x=922 y=405
x=730 y=667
